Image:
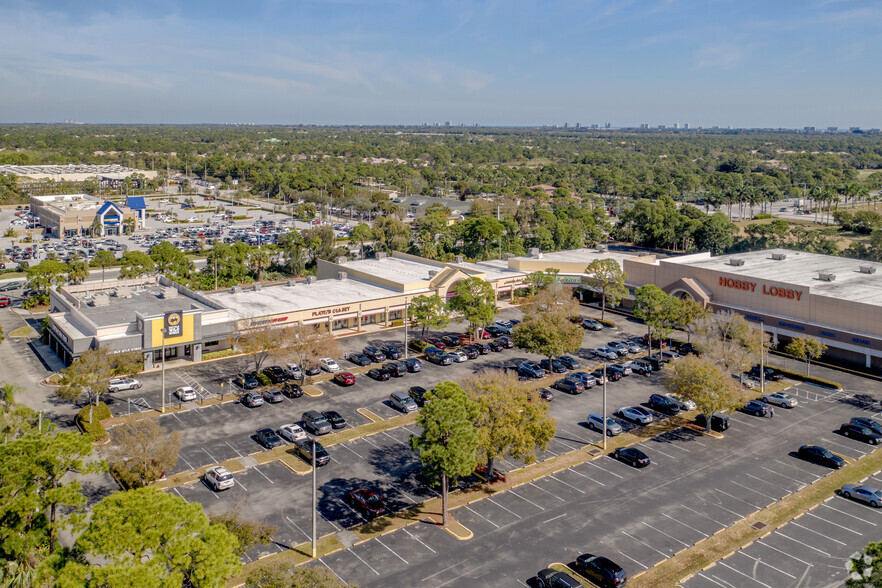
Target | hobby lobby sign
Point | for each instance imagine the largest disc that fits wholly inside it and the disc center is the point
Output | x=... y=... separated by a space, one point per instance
x=788 y=293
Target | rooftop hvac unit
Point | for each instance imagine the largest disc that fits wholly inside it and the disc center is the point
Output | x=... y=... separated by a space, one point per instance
x=341 y=260
x=779 y=256
x=460 y=258
x=291 y=283
x=100 y=300
x=236 y=290
x=169 y=293
x=534 y=252
x=603 y=248
x=826 y=277
x=381 y=255
x=736 y=262
x=122 y=292
x=868 y=269
x=433 y=273
x=258 y=287
x=311 y=279
x=341 y=275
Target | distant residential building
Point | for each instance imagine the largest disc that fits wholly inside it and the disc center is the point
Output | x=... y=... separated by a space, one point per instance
x=832 y=129
x=676 y=125
x=644 y=126
x=808 y=128
x=661 y=126
x=686 y=126
x=608 y=125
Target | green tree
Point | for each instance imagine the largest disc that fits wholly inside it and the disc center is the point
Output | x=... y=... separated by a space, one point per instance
x=706 y=384
x=659 y=311
x=143 y=452
x=361 y=234
x=77 y=270
x=865 y=567
x=17 y=420
x=512 y=420
x=170 y=259
x=262 y=341
x=448 y=440
x=248 y=533
x=46 y=274
x=88 y=375
x=150 y=538
x=475 y=301
x=807 y=349
x=259 y=260
x=103 y=259
x=541 y=279
x=391 y=234
x=134 y=264
x=728 y=340
x=428 y=311
x=288 y=576
x=607 y=277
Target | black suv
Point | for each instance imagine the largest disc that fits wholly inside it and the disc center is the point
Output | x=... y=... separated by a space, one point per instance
x=601 y=571
x=664 y=404
x=571 y=363
x=359 y=359
x=246 y=381
x=418 y=393
x=395 y=369
x=292 y=390
x=756 y=408
x=375 y=354
x=391 y=351
x=275 y=374
x=860 y=433
x=549 y=578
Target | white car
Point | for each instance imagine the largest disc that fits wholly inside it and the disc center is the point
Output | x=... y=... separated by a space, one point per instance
x=636 y=414
x=632 y=347
x=185 y=394
x=684 y=403
x=329 y=365
x=458 y=356
x=292 y=432
x=193 y=219
x=781 y=399
x=219 y=478
x=117 y=384
x=605 y=353
x=294 y=371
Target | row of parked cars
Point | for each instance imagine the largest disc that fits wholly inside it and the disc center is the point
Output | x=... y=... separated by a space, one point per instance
x=599 y=570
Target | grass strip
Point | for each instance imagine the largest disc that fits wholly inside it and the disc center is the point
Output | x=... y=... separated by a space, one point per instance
x=568 y=570
x=194 y=475
x=707 y=551
x=297 y=555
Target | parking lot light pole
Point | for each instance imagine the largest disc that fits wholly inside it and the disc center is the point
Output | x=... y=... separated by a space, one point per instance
x=163 y=369
x=762 y=361
x=314 y=504
x=604 y=405
x=405 y=327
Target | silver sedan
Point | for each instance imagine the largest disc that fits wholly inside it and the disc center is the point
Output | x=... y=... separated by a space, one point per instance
x=636 y=414
x=865 y=494
x=780 y=399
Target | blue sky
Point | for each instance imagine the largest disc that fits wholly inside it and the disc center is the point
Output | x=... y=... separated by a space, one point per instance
x=736 y=62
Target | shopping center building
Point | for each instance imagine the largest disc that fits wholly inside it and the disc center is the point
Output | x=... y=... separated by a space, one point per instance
x=790 y=293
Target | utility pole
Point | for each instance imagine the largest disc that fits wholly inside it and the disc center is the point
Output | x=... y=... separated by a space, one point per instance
x=314 y=504
x=163 y=369
x=604 y=405
x=405 y=328
x=762 y=360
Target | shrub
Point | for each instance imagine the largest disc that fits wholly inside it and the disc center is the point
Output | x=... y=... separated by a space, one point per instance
x=94 y=429
x=240 y=217
x=606 y=323
x=397 y=323
x=216 y=354
x=263 y=379
x=418 y=345
x=795 y=375
x=761 y=216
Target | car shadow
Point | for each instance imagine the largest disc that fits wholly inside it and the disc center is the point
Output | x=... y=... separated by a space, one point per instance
x=860 y=401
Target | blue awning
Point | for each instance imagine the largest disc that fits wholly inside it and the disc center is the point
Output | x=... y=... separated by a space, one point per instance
x=136 y=203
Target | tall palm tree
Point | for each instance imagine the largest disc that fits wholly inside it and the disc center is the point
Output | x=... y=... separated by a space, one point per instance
x=259 y=260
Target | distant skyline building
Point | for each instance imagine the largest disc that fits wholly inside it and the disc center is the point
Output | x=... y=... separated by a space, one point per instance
x=686 y=126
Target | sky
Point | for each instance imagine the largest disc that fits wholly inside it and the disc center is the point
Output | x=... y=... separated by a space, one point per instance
x=745 y=63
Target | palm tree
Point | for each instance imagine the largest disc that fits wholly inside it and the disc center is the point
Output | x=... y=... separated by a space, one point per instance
x=77 y=270
x=259 y=259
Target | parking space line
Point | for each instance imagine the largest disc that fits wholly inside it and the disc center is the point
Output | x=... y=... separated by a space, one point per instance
x=186 y=462
x=369 y=442
x=663 y=554
x=863 y=520
x=586 y=477
x=417 y=539
x=220 y=408
x=684 y=544
x=333 y=572
x=333 y=524
x=656 y=450
x=760 y=561
x=699 y=513
x=503 y=508
x=546 y=491
x=762 y=480
x=469 y=508
x=591 y=463
x=179 y=420
x=843 y=446
x=632 y=559
x=753 y=490
x=392 y=552
x=708 y=578
x=562 y=442
x=736 y=498
x=179 y=494
x=551 y=452
x=811 y=514
x=513 y=493
x=234 y=449
x=781 y=534
x=664 y=514
x=740 y=516
x=211 y=457
x=793 y=464
x=574 y=436
x=349 y=549
x=786 y=477
x=795 y=524
x=579 y=490
x=784 y=552
x=725 y=565
x=262 y=474
x=305 y=534
x=346 y=446
x=396 y=440
x=240 y=483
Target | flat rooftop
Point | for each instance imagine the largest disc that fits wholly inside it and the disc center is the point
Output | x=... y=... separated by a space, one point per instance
x=280 y=299
x=144 y=300
x=71 y=171
x=584 y=255
x=494 y=269
x=395 y=269
x=799 y=268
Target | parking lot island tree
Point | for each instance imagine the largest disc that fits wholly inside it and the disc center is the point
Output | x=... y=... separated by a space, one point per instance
x=449 y=438
x=428 y=311
x=547 y=328
x=134 y=264
x=705 y=383
x=103 y=259
x=309 y=343
x=727 y=339
x=143 y=451
x=807 y=349
x=475 y=301
x=659 y=311
x=146 y=537
x=607 y=277
x=248 y=533
x=512 y=421
x=865 y=567
x=280 y=575
x=87 y=377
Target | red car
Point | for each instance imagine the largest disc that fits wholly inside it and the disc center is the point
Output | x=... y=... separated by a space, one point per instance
x=656 y=343
x=4 y=301
x=344 y=378
x=436 y=342
x=367 y=503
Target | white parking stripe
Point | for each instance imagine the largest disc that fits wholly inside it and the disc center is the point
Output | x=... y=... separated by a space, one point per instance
x=758 y=479
x=736 y=498
x=345 y=446
x=503 y=508
x=396 y=440
x=179 y=420
x=187 y=462
x=753 y=490
x=760 y=561
x=179 y=494
x=684 y=544
x=781 y=551
x=579 y=490
x=392 y=552
x=349 y=549
x=656 y=450
x=574 y=436
x=417 y=539
x=663 y=554
x=234 y=449
x=634 y=560
x=664 y=514
x=333 y=524
x=513 y=493
x=469 y=508
x=795 y=524
x=305 y=534
x=211 y=457
x=725 y=565
x=811 y=514
x=578 y=473
x=785 y=476
x=592 y=464
x=793 y=464
x=546 y=491
x=781 y=534
x=262 y=474
x=720 y=506
x=861 y=519
x=843 y=446
x=333 y=572
x=240 y=484
x=708 y=578
x=699 y=513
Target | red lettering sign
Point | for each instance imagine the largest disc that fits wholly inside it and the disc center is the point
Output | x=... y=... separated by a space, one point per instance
x=329 y=311
x=786 y=293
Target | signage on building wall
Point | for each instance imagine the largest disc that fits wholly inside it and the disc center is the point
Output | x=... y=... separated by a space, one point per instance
x=278 y=319
x=173 y=322
x=767 y=290
x=513 y=281
x=330 y=311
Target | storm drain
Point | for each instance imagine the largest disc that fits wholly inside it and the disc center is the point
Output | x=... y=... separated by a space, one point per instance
x=759 y=525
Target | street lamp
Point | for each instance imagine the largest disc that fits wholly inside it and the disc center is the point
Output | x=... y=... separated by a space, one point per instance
x=603 y=373
x=162 y=331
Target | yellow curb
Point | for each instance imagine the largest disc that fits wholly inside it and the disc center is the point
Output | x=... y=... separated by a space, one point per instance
x=465 y=537
x=701 y=430
x=285 y=462
x=372 y=417
x=308 y=390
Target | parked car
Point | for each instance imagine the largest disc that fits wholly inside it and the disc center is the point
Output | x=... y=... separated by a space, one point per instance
x=267 y=438
x=252 y=399
x=780 y=399
x=294 y=371
x=506 y=342
x=471 y=352
x=272 y=395
x=329 y=365
x=344 y=378
x=379 y=374
x=458 y=356
x=770 y=374
x=656 y=343
x=546 y=394
x=618 y=347
x=569 y=386
x=312 y=369
x=601 y=571
x=418 y=393
x=684 y=403
x=403 y=402
x=821 y=456
x=670 y=355
x=687 y=348
x=436 y=342
x=413 y=365
x=605 y=353
x=395 y=369
x=304 y=449
x=367 y=503
x=595 y=421
x=495 y=346
x=632 y=456
x=636 y=414
x=335 y=418
x=218 y=478
x=375 y=354
x=549 y=578
x=869 y=423
x=292 y=390
x=118 y=384
x=553 y=366
x=292 y=432
x=640 y=366
x=530 y=369
x=860 y=433
x=611 y=374
x=275 y=374
x=866 y=494
x=632 y=346
x=186 y=394
x=624 y=368
x=617 y=371
x=360 y=359
x=587 y=379
x=756 y=408
x=437 y=356
x=663 y=404
x=391 y=351
x=569 y=362
x=599 y=377
x=315 y=422
x=246 y=381
x=5 y=301
x=719 y=421
x=591 y=324
x=495 y=331
x=450 y=340
x=483 y=348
